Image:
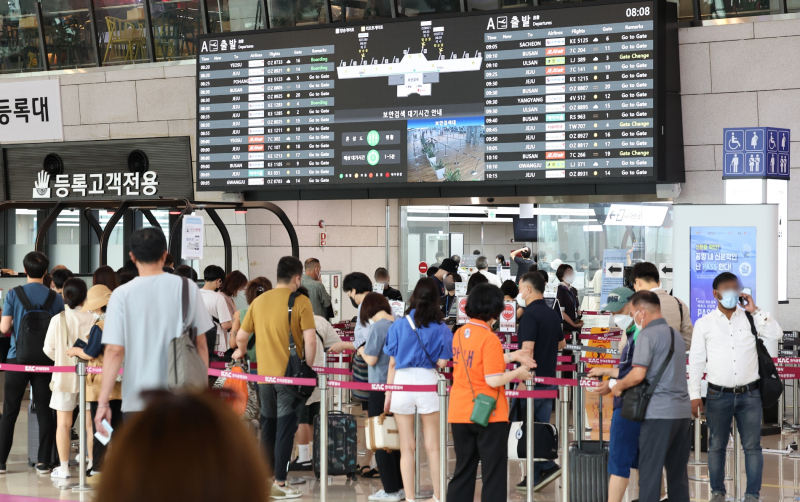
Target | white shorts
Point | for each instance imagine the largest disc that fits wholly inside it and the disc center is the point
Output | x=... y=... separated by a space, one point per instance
x=64 y=401
x=407 y=403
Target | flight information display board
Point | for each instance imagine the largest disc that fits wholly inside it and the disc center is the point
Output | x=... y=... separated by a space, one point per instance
x=551 y=95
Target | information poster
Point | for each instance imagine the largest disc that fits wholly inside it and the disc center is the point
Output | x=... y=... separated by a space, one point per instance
x=613 y=263
x=192 y=241
x=716 y=250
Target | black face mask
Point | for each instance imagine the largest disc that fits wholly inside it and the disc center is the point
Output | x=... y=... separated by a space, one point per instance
x=355 y=305
x=450 y=286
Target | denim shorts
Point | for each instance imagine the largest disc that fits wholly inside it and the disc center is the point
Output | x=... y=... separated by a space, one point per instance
x=623 y=452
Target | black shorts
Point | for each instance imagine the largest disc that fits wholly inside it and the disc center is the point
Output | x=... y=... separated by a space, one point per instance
x=309 y=412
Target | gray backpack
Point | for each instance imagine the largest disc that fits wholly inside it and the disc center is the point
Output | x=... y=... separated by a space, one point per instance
x=186 y=368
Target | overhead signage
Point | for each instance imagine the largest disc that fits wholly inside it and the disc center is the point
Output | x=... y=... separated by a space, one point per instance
x=123 y=184
x=756 y=152
x=547 y=96
x=636 y=215
x=30 y=111
x=715 y=250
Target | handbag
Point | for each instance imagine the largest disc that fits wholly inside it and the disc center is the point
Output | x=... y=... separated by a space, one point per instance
x=769 y=383
x=482 y=405
x=185 y=368
x=381 y=433
x=545 y=441
x=297 y=367
x=636 y=399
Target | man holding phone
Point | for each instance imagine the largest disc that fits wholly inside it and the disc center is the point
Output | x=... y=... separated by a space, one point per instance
x=723 y=347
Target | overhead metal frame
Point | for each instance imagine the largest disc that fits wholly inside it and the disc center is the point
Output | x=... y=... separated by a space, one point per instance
x=145 y=205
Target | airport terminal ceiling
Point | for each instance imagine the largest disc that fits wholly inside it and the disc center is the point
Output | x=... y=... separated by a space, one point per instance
x=546 y=101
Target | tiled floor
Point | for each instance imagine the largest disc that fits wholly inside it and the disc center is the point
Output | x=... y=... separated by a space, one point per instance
x=781 y=478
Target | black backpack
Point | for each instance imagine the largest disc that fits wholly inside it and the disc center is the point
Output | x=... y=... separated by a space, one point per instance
x=32 y=329
x=769 y=383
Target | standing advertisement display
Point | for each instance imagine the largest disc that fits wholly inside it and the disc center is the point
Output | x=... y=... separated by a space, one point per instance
x=715 y=250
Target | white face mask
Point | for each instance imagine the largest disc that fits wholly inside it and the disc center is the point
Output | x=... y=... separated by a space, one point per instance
x=520 y=300
x=569 y=278
x=98 y=317
x=622 y=321
x=638 y=325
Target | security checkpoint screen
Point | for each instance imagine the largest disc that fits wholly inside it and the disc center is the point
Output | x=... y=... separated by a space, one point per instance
x=552 y=95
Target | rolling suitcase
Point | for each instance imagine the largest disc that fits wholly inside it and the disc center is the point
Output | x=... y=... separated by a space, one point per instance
x=342 y=445
x=588 y=466
x=33 y=437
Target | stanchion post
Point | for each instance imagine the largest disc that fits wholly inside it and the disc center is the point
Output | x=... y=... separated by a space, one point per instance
x=737 y=467
x=83 y=446
x=780 y=410
x=529 y=418
x=795 y=399
x=323 y=437
x=441 y=389
x=697 y=443
x=564 y=405
x=339 y=391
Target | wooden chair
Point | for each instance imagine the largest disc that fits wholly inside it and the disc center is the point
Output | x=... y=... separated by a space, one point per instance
x=125 y=40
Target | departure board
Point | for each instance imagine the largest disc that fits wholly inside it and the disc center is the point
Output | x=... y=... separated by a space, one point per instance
x=546 y=95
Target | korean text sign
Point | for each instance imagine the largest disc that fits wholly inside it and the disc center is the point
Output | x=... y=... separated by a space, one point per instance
x=715 y=250
x=30 y=111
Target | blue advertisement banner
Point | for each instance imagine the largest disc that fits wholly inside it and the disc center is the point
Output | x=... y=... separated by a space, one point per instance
x=716 y=250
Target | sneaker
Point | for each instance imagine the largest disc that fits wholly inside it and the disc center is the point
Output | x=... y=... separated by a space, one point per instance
x=388 y=497
x=748 y=497
x=42 y=468
x=547 y=477
x=295 y=465
x=3 y=469
x=717 y=497
x=283 y=492
x=295 y=481
x=60 y=473
x=522 y=486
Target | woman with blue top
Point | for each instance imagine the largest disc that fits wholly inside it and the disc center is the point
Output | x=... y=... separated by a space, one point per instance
x=417 y=345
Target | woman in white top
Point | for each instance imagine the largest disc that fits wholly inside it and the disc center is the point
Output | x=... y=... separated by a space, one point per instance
x=65 y=385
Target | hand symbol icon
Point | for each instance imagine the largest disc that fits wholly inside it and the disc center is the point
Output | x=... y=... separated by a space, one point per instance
x=41 y=189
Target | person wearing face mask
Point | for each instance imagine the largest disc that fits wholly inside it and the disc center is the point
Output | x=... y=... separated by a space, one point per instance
x=541 y=338
x=675 y=312
x=382 y=277
x=217 y=306
x=319 y=297
x=623 y=451
x=449 y=298
x=664 y=437
x=448 y=266
x=724 y=349
x=568 y=298
x=268 y=318
x=500 y=260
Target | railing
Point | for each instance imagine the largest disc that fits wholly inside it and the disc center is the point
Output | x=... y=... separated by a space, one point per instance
x=145 y=31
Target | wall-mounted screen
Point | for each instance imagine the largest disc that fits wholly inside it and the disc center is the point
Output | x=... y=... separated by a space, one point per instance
x=552 y=95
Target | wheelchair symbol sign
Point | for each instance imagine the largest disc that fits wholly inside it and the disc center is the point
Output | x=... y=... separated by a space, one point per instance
x=734 y=141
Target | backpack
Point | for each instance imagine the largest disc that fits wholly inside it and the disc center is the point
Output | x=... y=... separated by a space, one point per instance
x=185 y=367
x=769 y=382
x=33 y=329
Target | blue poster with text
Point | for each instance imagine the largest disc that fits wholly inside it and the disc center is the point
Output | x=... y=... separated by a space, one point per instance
x=716 y=250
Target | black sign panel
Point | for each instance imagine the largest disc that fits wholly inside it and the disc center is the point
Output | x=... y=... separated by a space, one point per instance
x=551 y=95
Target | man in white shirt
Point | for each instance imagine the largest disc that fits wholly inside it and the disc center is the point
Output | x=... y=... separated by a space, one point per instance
x=724 y=347
x=482 y=264
x=216 y=305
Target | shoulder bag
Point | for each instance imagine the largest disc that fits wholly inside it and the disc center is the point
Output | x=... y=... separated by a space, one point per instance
x=636 y=399
x=297 y=367
x=185 y=366
x=482 y=405
x=769 y=383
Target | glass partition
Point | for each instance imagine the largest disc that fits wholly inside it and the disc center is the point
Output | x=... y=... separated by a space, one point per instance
x=234 y=15
x=176 y=26
x=63 y=240
x=22 y=226
x=116 y=256
x=290 y=13
x=360 y=10
x=19 y=36
x=121 y=32
x=425 y=239
x=68 y=34
x=722 y=9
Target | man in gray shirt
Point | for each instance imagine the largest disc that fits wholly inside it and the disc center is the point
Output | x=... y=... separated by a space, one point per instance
x=665 y=438
x=320 y=299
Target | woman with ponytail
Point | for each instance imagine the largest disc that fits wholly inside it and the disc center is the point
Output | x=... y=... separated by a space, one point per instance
x=418 y=345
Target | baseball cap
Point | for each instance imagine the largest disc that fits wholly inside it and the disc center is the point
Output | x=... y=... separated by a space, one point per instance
x=617 y=299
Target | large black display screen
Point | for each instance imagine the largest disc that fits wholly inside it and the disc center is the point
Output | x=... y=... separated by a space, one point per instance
x=564 y=95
